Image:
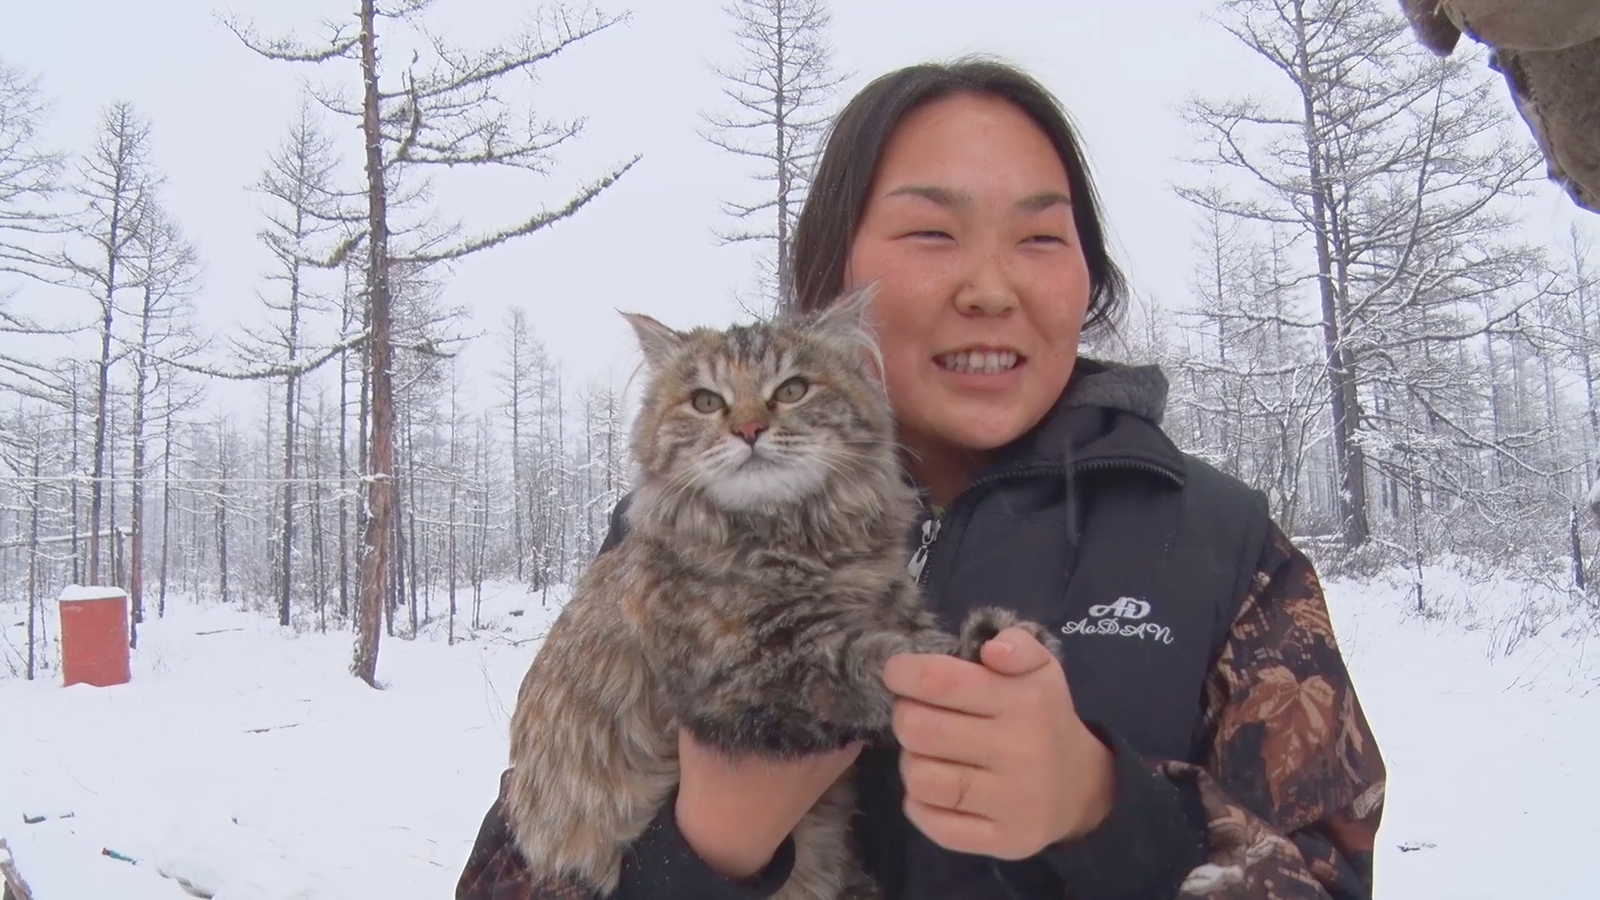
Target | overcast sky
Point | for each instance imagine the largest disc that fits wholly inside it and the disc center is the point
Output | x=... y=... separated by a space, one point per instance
x=1121 y=68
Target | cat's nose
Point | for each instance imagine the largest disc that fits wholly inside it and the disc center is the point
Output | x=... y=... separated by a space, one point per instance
x=750 y=431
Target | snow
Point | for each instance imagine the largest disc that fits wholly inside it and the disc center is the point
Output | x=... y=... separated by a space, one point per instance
x=1486 y=711
x=245 y=761
x=80 y=592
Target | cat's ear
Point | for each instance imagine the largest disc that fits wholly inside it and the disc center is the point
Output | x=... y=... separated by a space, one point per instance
x=846 y=317
x=658 y=342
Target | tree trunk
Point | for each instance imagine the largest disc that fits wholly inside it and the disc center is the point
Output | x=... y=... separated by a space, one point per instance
x=783 y=144
x=411 y=520
x=518 y=340
x=344 y=472
x=1580 y=582
x=291 y=389
x=112 y=528
x=34 y=550
x=319 y=557
x=166 y=505
x=222 y=510
x=380 y=487
x=397 y=566
x=141 y=402
x=77 y=556
x=102 y=388
x=1348 y=461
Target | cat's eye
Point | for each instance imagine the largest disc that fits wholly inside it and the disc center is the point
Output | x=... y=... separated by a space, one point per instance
x=707 y=401
x=791 y=391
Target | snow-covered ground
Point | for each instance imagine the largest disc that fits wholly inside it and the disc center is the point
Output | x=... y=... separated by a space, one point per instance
x=245 y=761
x=1488 y=714
x=250 y=762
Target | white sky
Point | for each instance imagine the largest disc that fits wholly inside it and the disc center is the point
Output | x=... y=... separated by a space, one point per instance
x=1121 y=68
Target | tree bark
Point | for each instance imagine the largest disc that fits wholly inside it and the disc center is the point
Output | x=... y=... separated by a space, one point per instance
x=1348 y=460
x=380 y=476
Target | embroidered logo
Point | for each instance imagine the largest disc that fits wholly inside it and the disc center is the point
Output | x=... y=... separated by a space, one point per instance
x=1124 y=608
x=1123 y=618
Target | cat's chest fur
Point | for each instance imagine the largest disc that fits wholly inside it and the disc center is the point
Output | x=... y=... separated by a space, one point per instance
x=758 y=648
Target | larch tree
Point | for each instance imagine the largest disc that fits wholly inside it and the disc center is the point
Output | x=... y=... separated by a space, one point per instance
x=448 y=108
x=308 y=228
x=30 y=175
x=516 y=382
x=1390 y=168
x=165 y=271
x=1249 y=378
x=116 y=185
x=778 y=98
x=27 y=442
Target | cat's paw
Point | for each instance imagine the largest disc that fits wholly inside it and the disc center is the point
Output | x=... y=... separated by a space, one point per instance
x=985 y=622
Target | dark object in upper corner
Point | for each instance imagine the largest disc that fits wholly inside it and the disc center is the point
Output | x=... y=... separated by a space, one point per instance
x=1549 y=53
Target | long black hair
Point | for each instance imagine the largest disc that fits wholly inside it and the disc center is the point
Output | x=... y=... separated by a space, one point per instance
x=838 y=196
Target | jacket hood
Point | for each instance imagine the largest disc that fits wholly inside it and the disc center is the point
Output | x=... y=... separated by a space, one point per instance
x=1109 y=413
x=1140 y=390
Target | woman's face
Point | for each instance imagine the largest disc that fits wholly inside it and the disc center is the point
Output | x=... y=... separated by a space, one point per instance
x=982 y=284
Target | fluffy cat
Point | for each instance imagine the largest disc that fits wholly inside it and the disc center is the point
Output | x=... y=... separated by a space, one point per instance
x=758 y=591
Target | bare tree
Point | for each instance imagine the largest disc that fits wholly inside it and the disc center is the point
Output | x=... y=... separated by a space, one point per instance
x=29 y=174
x=515 y=380
x=307 y=229
x=779 y=96
x=26 y=442
x=117 y=183
x=1576 y=336
x=447 y=111
x=166 y=271
x=1248 y=374
x=454 y=475
x=29 y=178
x=1390 y=164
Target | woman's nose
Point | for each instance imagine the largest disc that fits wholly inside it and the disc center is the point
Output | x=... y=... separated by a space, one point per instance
x=987 y=291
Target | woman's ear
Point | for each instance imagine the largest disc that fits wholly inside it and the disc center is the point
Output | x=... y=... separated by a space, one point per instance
x=658 y=342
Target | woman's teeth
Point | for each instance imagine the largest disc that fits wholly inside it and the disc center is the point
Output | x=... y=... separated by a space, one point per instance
x=982 y=362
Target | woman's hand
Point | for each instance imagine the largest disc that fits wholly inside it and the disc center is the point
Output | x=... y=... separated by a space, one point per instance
x=735 y=813
x=994 y=757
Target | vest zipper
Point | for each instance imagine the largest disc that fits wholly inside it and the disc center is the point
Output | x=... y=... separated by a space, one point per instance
x=1101 y=465
x=919 y=559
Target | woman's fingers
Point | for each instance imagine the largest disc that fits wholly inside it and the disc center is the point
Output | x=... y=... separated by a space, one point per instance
x=944 y=681
x=944 y=734
x=945 y=785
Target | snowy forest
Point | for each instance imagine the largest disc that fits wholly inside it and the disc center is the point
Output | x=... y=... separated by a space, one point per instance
x=309 y=344
x=1373 y=336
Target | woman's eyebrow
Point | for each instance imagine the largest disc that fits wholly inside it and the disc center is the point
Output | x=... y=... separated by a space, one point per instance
x=956 y=199
x=946 y=197
x=1043 y=200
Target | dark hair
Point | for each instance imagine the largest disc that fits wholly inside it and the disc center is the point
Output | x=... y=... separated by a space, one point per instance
x=838 y=196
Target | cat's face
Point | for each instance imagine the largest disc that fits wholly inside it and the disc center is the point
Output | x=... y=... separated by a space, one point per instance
x=759 y=417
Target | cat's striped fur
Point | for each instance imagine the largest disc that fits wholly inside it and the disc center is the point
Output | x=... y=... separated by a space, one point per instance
x=760 y=618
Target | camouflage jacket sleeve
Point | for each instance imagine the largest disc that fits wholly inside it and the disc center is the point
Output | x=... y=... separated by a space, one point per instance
x=1291 y=780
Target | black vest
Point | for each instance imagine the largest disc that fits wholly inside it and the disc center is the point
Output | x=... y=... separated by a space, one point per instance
x=1135 y=555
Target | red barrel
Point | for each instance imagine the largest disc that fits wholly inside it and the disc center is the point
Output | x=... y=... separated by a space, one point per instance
x=94 y=636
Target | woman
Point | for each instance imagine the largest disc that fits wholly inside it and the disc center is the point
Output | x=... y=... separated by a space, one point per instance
x=1201 y=735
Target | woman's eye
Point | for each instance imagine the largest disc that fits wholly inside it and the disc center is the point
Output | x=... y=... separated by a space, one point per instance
x=791 y=391
x=930 y=233
x=1046 y=239
x=705 y=401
